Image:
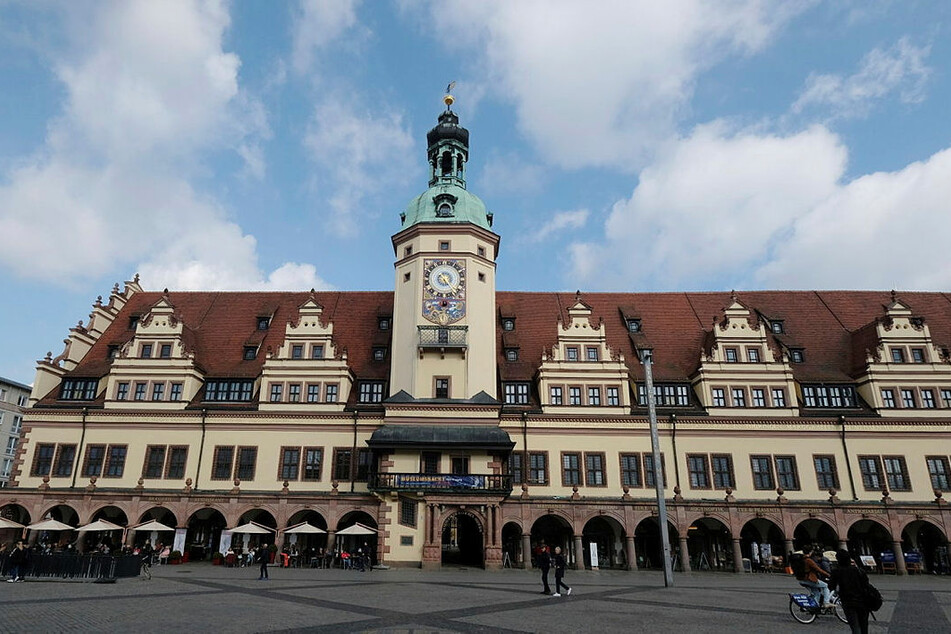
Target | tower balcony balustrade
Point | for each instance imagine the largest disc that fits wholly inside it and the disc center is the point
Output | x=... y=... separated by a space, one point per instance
x=443 y=337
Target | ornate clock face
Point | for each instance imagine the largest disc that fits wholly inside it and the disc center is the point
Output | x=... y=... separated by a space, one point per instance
x=444 y=290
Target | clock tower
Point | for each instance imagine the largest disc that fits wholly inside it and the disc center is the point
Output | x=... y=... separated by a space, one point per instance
x=444 y=299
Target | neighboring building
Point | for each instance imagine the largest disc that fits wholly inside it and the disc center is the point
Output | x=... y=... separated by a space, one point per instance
x=13 y=402
x=466 y=425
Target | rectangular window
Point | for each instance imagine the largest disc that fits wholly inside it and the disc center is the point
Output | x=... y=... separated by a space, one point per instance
x=779 y=397
x=908 y=399
x=888 y=398
x=364 y=463
x=739 y=397
x=591 y=354
x=7 y=467
x=43 y=459
x=371 y=392
x=946 y=397
x=277 y=392
x=918 y=355
x=809 y=396
x=594 y=469
x=871 y=473
x=927 y=399
x=516 y=467
x=752 y=354
x=330 y=393
x=574 y=396
x=158 y=391
x=16 y=425
x=649 y=470
x=122 y=391
x=938 y=469
x=379 y=353
x=115 y=463
x=797 y=356
x=723 y=477
x=442 y=387
x=777 y=327
x=719 y=397
x=762 y=472
x=571 y=353
x=896 y=471
x=759 y=397
x=594 y=396
x=12 y=444
x=250 y=353
x=176 y=392
x=630 y=469
x=146 y=351
x=165 y=351
x=342 y=464
x=293 y=393
x=177 y=457
x=140 y=391
x=556 y=395
x=898 y=355
x=79 y=389
x=313 y=392
x=699 y=472
x=92 y=465
x=787 y=476
x=290 y=463
x=429 y=462
x=154 y=461
x=731 y=355
x=297 y=352
x=516 y=393
x=683 y=397
x=408 y=512
x=222 y=463
x=614 y=397
x=826 y=475
x=246 y=464
x=459 y=465
x=538 y=468
x=65 y=457
x=313 y=461
x=317 y=352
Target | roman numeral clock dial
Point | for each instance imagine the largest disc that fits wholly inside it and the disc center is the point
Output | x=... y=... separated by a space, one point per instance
x=444 y=290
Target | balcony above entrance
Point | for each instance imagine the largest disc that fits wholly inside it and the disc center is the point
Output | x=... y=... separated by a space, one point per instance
x=488 y=437
x=443 y=338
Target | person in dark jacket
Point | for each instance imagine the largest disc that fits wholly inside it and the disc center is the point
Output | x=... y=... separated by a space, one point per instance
x=851 y=583
x=560 y=566
x=263 y=555
x=543 y=559
x=18 y=560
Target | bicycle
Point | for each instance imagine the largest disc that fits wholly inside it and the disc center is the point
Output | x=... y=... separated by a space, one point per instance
x=804 y=609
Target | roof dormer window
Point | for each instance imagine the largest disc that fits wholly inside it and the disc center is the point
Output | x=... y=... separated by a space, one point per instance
x=796 y=355
x=508 y=324
x=633 y=325
x=264 y=323
x=383 y=323
x=511 y=354
x=250 y=353
x=379 y=353
x=777 y=327
x=444 y=211
x=133 y=322
x=898 y=355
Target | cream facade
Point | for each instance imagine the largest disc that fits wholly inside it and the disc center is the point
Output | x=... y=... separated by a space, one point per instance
x=466 y=425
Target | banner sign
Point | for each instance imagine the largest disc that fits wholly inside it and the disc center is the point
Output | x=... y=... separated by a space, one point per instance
x=887 y=557
x=913 y=558
x=422 y=481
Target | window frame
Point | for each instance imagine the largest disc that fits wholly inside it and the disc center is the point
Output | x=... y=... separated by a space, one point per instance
x=111 y=457
x=569 y=473
x=833 y=472
x=716 y=474
x=171 y=461
x=148 y=464
x=283 y=465
x=876 y=461
x=218 y=471
x=891 y=477
x=530 y=471
x=793 y=472
x=88 y=464
x=58 y=462
x=946 y=474
x=698 y=471
x=594 y=472
x=760 y=460
x=239 y=453
x=42 y=464
x=626 y=471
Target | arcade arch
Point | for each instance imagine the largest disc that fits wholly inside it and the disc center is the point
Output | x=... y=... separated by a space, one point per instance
x=462 y=540
x=553 y=530
x=607 y=535
x=710 y=545
x=203 y=535
x=814 y=531
x=928 y=541
x=761 y=540
x=647 y=543
x=512 y=545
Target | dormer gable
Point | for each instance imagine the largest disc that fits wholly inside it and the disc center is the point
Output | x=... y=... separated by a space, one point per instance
x=308 y=337
x=738 y=336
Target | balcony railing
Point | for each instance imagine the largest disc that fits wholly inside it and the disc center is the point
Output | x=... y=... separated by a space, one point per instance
x=441 y=482
x=443 y=336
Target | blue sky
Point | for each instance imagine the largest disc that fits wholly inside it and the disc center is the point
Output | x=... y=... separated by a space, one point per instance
x=621 y=146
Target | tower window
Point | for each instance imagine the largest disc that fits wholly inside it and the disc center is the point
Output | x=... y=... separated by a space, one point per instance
x=444 y=211
x=408 y=251
x=481 y=251
x=442 y=387
x=444 y=245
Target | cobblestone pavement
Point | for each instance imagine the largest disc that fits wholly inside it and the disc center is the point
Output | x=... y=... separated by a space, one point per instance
x=201 y=597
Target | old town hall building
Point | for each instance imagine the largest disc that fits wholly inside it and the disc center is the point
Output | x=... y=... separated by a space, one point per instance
x=464 y=425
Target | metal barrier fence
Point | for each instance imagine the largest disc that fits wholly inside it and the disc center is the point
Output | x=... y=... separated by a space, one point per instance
x=76 y=566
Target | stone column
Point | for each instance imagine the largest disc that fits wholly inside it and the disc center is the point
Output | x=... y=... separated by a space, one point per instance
x=684 y=555
x=331 y=540
x=789 y=548
x=631 y=552
x=579 y=553
x=737 y=556
x=526 y=550
x=900 y=568
x=844 y=545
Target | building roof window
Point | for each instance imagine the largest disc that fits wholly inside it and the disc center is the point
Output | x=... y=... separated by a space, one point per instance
x=796 y=355
x=511 y=354
x=508 y=324
x=777 y=327
x=383 y=323
x=264 y=323
x=633 y=325
x=379 y=353
x=250 y=353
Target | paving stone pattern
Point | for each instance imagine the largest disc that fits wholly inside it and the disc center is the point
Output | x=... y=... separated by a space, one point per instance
x=201 y=597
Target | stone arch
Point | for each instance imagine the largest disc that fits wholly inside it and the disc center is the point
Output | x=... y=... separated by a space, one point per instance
x=723 y=519
x=815 y=530
x=110 y=513
x=848 y=526
x=710 y=544
x=462 y=537
x=756 y=533
x=16 y=513
x=606 y=532
x=203 y=535
x=358 y=515
x=647 y=542
x=867 y=536
x=258 y=515
x=307 y=543
x=62 y=513
x=159 y=514
x=512 y=544
x=553 y=529
x=925 y=541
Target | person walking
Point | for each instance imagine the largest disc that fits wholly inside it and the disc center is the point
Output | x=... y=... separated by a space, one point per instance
x=851 y=583
x=560 y=566
x=543 y=559
x=18 y=560
x=263 y=553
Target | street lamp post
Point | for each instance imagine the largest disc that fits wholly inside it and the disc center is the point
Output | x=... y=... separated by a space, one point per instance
x=646 y=358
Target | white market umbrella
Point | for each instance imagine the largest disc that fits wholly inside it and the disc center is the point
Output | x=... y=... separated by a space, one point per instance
x=99 y=526
x=152 y=526
x=304 y=528
x=5 y=523
x=357 y=529
x=50 y=525
x=252 y=528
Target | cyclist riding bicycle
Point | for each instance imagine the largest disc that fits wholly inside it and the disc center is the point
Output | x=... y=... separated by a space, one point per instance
x=810 y=576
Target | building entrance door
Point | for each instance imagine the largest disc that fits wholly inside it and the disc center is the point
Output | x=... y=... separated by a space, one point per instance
x=462 y=541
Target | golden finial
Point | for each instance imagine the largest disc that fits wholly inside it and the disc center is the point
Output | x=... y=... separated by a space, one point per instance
x=449 y=99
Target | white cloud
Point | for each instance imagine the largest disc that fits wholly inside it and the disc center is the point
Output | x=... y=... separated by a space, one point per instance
x=559 y=221
x=319 y=24
x=601 y=83
x=149 y=90
x=364 y=153
x=900 y=69
x=506 y=174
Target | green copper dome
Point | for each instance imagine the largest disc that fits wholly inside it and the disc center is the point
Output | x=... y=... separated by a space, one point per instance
x=447 y=201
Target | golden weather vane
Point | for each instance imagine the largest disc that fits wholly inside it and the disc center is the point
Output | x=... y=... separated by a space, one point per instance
x=449 y=99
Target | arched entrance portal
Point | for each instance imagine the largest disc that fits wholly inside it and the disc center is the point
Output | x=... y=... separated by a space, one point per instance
x=648 y=545
x=553 y=530
x=761 y=542
x=813 y=532
x=926 y=540
x=608 y=536
x=710 y=545
x=868 y=537
x=204 y=532
x=512 y=544
x=462 y=541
